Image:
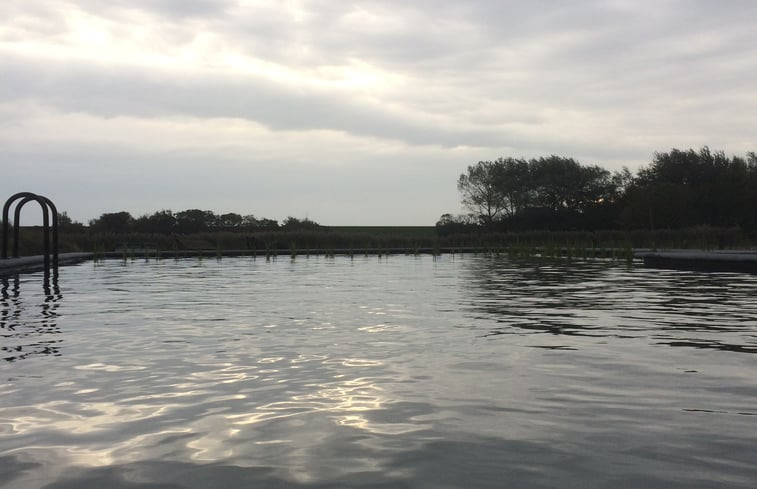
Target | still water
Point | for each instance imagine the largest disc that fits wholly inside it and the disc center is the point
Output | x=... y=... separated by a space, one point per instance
x=406 y=372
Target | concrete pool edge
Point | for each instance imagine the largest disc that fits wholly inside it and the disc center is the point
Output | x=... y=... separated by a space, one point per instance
x=36 y=263
x=744 y=261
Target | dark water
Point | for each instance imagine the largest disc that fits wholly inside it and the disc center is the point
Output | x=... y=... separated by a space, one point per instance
x=399 y=372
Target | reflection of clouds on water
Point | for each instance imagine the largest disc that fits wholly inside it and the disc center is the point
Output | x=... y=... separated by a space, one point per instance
x=88 y=433
x=110 y=368
x=310 y=411
x=218 y=414
x=154 y=389
x=381 y=328
x=344 y=401
x=78 y=418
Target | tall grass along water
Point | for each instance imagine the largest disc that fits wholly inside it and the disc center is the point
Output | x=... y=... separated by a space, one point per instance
x=406 y=371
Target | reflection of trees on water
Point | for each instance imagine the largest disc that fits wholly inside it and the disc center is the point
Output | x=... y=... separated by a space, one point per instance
x=534 y=296
x=27 y=329
x=601 y=299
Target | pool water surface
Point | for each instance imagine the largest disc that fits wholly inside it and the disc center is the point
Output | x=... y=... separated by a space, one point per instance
x=408 y=372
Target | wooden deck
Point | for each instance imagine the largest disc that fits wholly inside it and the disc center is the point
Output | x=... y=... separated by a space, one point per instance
x=744 y=261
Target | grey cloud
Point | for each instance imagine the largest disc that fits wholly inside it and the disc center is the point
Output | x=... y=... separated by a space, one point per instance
x=171 y=9
x=111 y=93
x=503 y=76
x=102 y=178
x=594 y=51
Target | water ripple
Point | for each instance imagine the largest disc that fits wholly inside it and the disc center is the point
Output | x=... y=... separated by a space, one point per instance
x=392 y=372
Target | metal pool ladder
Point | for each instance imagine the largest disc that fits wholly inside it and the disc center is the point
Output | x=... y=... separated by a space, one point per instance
x=48 y=208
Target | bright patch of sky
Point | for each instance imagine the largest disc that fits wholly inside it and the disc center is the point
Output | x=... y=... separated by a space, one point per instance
x=353 y=113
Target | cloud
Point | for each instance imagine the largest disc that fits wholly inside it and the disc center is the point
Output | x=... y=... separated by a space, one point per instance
x=418 y=88
x=168 y=9
x=126 y=91
x=221 y=164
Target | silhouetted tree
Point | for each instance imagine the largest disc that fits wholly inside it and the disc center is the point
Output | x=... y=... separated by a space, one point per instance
x=250 y=222
x=230 y=220
x=514 y=179
x=687 y=188
x=116 y=222
x=64 y=220
x=160 y=222
x=67 y=225
x=291 y=223
x=564 y=183
x=462 y=223
x=542 y=193
x=195 y=221
x=480 y=187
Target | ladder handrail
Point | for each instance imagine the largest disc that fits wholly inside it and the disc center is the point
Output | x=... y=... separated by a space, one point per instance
x=48 y=208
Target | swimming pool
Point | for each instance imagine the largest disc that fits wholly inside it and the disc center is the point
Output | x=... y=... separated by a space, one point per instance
x=462 y=371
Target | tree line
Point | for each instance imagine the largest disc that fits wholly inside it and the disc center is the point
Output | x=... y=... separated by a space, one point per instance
x=192 y=221
x=679 y=188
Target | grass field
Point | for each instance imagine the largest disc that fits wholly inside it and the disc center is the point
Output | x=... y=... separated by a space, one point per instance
x=391 y=237
x=419 y=231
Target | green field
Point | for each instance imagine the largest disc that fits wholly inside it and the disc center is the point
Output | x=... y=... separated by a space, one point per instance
x=408 y=238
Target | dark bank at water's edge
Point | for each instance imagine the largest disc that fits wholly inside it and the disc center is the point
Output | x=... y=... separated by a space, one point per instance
x=744 y=261
x=35 y=263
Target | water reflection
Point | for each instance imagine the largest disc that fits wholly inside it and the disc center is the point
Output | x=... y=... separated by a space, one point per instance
x=6 y=286
x=28 y=327
x=404 y=372
x=602 y=300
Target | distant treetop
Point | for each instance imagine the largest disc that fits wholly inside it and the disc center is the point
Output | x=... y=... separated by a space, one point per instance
x=679 y=188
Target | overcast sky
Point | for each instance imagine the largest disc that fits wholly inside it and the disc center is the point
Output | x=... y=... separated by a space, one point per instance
x=353 y=112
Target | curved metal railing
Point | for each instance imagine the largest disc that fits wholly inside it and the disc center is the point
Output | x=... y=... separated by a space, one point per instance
x=48 y=210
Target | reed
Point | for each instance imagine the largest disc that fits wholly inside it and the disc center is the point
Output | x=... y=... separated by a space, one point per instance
x=98 y=253
x=548 y=243
x=268 y=250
